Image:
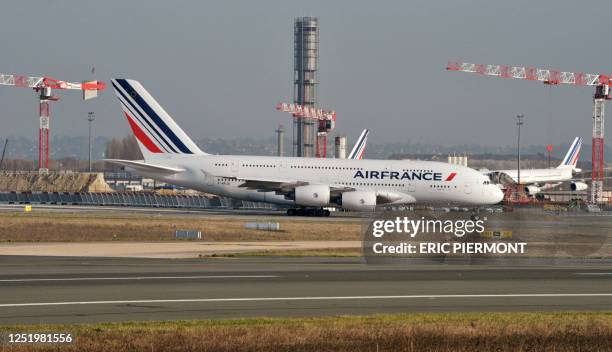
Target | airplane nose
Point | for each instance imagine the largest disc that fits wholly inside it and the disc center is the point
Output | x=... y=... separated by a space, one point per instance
x=497 y=194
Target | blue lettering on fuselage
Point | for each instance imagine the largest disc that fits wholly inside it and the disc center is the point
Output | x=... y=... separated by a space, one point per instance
x=394 y=175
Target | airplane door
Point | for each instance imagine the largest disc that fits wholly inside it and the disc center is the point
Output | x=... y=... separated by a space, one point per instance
x=468 y=188
x=208 y=178
x=235 y=167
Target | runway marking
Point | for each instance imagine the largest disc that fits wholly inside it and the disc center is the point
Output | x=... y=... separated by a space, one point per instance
x=142 y=278
x=315 y=298
x=593 y=274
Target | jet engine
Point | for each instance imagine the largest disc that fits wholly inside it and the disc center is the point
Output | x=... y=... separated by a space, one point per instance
x=531 y=190
x=359 y=200
x=312 y=195
x=578 y=186
x=270 y=197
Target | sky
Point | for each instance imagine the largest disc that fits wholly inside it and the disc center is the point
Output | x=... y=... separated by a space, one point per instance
x=219 y=67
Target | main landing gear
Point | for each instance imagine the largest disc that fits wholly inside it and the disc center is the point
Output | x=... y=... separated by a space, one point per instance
x=320 y=212
x=475 y=216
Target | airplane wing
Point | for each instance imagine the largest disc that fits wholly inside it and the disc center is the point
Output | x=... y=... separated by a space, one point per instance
x=269 y=185
x=584 y=179
x=278 y=185
x=287 y=186
x=282 y=186
x=145 y=167
x=589 y=172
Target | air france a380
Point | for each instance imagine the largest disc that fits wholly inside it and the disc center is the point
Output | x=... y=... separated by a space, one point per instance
x=307 y=185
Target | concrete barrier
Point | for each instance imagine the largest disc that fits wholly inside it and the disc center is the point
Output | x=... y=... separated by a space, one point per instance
x=188 y=234
x=265 y=226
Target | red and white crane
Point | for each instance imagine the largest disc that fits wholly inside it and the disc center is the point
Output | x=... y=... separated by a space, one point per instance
x=44 y=86
x=326 y=122
x=602 y=93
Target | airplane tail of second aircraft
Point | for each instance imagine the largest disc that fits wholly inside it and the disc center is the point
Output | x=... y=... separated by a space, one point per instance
x=573 y=154
x=359 y=148
x=156 y=132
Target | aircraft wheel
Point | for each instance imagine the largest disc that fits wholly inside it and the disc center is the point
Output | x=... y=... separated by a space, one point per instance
x=327 y=213
x=311 y=212
x=300 y=212
x=320 y=212
x=291 y=212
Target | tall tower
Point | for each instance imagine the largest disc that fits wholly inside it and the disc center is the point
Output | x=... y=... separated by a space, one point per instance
x=280 y=141
x=340 y=147
x=306 y=54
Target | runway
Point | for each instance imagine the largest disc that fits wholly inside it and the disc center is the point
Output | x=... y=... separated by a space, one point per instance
x=68 y=290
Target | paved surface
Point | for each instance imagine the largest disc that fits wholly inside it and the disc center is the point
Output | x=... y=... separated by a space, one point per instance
x=167 y=249
x=62 y=289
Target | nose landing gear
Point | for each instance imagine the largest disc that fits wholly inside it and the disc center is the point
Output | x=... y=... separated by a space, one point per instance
x=318 y=212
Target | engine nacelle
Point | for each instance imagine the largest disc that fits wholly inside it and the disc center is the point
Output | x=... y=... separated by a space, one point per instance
x=532 y=190
x=268 y=197
x=578 y=186
x=359 y=201
x=312 y=195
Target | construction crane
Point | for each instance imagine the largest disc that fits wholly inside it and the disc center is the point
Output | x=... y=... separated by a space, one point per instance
x=44 y=86
x=326 y=122
x=602 y=93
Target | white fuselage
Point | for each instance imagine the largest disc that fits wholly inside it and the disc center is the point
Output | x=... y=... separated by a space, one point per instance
x=405 y=181
x=539 y=176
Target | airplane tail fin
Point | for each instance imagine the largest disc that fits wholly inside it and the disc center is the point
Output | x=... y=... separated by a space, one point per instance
x=156 y=132
x=573 y=154
x=359 y=148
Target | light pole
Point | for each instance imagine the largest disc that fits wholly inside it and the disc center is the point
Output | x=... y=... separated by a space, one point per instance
x=519 y=123
x=90 y=117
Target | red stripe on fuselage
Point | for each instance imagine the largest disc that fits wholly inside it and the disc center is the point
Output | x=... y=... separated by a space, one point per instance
x=142 y=137
x=451 y=176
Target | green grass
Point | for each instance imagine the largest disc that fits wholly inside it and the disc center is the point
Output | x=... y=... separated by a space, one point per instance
x=44 y=226
x=570 y=331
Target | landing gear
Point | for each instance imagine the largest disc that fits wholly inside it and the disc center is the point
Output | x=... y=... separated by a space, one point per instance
x=475 y=216
x=318 y=212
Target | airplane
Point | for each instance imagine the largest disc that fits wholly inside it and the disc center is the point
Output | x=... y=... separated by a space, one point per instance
x=307 y=185
x=359 y=148
x=538 y=180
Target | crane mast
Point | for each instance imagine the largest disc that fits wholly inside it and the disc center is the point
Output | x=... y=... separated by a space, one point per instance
x=44 y=86
x=602 y=93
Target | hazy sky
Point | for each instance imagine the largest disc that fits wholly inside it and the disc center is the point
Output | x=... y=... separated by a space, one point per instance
x=219 y=67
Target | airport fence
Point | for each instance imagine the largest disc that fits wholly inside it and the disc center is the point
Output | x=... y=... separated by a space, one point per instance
x=129 y=199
